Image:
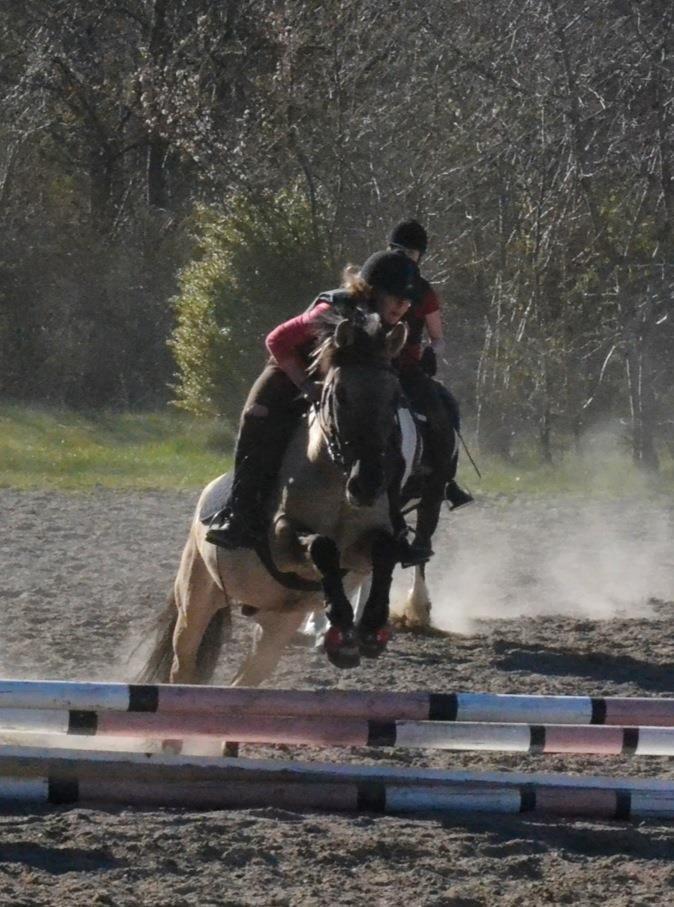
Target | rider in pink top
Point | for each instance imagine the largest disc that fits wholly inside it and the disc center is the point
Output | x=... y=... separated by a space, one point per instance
x=279 y=396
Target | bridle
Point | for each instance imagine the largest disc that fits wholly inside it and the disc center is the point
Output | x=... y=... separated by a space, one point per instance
x=326 y=417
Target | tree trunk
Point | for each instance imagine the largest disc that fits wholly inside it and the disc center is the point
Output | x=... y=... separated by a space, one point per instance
x=158 y=47
x=100 y=189
x=642 y=408
x=157 y=196
x=546 y=434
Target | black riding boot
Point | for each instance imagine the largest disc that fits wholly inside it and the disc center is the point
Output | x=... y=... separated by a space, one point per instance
x=456 y=495
x=263 y=437
x=240 y=523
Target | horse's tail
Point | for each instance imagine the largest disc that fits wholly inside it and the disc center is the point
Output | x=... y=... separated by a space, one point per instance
x=158 y=665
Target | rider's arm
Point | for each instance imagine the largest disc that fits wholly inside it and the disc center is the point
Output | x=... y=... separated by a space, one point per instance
x=433 y=321
x=285 y=342
x=435 y=331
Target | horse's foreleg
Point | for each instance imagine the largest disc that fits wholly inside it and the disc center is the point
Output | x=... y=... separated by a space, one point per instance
x=325 y=555
x=340 y=642
x=373 y=633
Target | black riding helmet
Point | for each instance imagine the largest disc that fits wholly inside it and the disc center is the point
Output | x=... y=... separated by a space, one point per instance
x=409 y=234
x=391 y=272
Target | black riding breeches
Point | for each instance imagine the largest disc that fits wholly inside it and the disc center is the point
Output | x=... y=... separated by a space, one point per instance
x=432 y=400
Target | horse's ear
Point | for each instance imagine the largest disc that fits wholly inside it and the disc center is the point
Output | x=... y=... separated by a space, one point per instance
x=344 y=334
x=395 y=339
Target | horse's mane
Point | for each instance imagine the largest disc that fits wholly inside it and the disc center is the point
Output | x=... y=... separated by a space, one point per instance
x=368 y=344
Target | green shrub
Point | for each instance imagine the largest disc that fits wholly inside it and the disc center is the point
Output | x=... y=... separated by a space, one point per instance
x=258 y=263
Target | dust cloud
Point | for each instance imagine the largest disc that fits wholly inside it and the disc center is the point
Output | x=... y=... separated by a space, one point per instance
x=565 y=556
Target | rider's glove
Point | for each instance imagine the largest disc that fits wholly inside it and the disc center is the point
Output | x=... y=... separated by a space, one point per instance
x=429 y=361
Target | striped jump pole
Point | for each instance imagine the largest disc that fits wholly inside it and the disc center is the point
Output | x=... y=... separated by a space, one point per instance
x=63 y=780
x=393 y=799
x=466 y=736
x=29 y=761
x=378 y=706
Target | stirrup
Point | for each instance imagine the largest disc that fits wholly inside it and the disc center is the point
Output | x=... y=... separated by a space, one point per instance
x=234 y=532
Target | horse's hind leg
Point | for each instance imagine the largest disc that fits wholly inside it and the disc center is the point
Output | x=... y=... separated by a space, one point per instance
x=416 y=612
x=198 y=598
x=274 y=631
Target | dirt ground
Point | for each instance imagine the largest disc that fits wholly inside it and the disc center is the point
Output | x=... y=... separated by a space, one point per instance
x=590 y=611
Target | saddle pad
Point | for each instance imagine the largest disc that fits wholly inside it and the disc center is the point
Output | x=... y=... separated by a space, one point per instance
x=216 y=497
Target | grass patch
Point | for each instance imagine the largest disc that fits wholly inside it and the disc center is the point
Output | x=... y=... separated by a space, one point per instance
x=46 y=448
x=41 y=448
x=605 y=473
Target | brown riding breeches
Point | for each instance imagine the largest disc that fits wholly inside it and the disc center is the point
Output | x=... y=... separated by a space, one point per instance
x=272 y=410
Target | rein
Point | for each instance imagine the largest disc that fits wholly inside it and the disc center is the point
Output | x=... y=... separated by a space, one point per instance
x=328 y=427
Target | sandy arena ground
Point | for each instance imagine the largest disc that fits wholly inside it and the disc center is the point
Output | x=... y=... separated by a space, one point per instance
x=550 y=597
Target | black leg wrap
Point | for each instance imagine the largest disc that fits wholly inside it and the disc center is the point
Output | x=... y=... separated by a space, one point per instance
x=338 y=608
x=384 y=550
x=325 y=555
x=384 y=558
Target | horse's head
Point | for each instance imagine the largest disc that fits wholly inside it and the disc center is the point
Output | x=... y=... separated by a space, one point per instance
x=359 y=402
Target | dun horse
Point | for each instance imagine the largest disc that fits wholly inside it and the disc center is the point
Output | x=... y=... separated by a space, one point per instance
x=330 y=530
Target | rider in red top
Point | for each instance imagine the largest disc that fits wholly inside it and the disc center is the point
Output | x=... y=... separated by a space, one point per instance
x=417 y=320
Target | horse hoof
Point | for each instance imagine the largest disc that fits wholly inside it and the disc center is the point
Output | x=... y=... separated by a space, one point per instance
x=341 y=647
x=372 y=643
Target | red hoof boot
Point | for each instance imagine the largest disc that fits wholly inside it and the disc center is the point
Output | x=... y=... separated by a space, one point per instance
x=341 y=647
x=373 y=642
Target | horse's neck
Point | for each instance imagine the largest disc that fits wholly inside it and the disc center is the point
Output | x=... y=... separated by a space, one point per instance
x=308 y=456
x=311 y=487
x=317 y=444
x=312 y=491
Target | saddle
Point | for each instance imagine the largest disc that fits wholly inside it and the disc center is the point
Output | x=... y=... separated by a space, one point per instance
x=216 y=498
